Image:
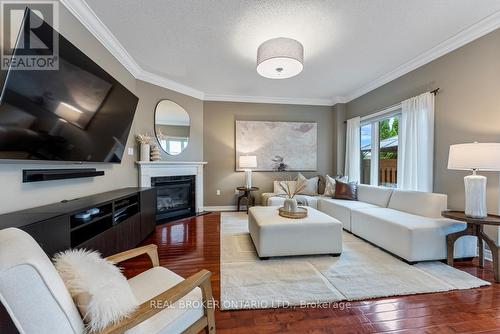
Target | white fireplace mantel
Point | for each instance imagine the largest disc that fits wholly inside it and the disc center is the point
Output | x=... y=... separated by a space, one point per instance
x=149 y=169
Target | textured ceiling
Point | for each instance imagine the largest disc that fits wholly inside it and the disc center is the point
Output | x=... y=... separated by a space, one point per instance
x=211 y=45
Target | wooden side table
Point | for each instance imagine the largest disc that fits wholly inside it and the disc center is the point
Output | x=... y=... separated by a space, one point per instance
x=246 y=193
x=475 y=228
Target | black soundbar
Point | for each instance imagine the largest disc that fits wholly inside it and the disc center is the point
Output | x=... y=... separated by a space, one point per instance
x=37 y=175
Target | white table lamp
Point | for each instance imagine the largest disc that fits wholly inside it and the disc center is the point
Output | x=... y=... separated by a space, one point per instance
x=247 y=162
x=475 y=157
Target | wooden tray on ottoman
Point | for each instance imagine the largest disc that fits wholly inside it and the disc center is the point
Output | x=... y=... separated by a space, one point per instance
x=301 y=213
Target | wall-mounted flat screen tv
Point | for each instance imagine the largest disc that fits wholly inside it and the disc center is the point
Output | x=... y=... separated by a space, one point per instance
x=77 y=112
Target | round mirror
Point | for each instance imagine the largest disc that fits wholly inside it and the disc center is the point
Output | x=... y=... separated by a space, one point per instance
x=171 y=127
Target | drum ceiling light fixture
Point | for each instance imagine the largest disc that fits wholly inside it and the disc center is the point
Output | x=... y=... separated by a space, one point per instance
x=280 y=58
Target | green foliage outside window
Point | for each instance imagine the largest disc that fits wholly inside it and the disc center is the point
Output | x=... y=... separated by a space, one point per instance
x=388 y=130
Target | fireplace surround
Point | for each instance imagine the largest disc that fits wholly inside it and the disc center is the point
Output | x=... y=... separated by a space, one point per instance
x=175 y=197
x=151 y=169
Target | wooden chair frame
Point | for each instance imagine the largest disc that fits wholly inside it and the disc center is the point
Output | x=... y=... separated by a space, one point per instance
x=146 y=310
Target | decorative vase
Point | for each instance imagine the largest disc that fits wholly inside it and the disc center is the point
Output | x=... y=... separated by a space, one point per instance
x=291 y=205
x=145 y=152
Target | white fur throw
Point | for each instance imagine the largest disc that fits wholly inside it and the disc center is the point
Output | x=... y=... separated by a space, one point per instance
x=99 y=289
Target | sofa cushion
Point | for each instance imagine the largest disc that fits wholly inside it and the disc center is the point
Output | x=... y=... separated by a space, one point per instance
x=341 y=209
x=374 y=195
x=412 y=237
x=173 y=319
x=418 y=203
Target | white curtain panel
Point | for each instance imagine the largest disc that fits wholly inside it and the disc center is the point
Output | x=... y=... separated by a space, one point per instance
x=416 y=143
x=352 y=150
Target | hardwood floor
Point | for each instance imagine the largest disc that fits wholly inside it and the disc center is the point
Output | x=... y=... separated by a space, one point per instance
x=192 y=244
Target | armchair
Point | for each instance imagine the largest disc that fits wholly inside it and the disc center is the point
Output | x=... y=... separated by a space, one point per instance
x=38 y=302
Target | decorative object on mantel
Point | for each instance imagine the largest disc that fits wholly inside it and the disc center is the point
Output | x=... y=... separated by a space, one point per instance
x=278 y=146
x=155 y=153
x=475 y=156
x=144 y=141
x=247 y=162
x=290 y=204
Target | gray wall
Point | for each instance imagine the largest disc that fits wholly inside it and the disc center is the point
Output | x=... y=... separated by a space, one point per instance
x=219 y=144
x=14 y=195
x=467 y=108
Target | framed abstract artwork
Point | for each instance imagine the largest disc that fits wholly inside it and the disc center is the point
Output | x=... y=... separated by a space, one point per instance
x=278 y=146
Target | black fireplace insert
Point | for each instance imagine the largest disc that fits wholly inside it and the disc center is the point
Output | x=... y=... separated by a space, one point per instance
x=175 y=197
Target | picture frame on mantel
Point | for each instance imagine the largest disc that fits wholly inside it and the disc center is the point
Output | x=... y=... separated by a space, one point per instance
x=278 y=146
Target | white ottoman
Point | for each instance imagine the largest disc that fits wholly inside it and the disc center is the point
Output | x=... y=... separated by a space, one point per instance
x=274 y=235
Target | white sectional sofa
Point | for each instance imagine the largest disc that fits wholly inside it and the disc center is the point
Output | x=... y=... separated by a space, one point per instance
x=406 y=223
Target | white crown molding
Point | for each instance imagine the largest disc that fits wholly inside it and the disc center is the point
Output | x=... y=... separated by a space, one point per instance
x=269 y=99
x=89 y=19
x=158 y=80
x=477 y=30
x=81 y=10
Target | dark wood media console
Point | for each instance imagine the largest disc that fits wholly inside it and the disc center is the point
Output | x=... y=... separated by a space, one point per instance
x=125 y=218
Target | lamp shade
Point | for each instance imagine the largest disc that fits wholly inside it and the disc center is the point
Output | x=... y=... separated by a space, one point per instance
x=478 y=156
x=280 y=58
x=248 y=161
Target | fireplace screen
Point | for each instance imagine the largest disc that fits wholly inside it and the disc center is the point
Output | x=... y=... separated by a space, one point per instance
x=175 y=197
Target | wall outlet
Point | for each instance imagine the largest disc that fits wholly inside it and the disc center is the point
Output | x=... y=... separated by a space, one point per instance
x=130 y=151
x=218 y=192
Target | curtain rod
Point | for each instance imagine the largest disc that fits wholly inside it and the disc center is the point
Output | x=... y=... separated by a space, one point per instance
x=392 y=106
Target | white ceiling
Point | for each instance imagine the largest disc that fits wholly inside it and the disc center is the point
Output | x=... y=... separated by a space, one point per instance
x=207 y=48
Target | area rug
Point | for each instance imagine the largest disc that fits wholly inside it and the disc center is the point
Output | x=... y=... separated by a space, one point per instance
x=361 y=272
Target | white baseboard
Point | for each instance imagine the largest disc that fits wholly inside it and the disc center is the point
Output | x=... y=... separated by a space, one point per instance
x=220 y=208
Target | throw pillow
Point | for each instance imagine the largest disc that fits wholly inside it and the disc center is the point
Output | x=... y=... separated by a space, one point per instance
x=310 y=185
x=99 y=289
x=346 y=191
x=330 y=184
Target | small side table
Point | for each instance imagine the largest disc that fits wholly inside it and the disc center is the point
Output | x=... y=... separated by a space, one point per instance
x=475 y=228
x=247 y=193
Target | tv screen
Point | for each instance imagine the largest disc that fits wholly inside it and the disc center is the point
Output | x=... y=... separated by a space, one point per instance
x=76 y=113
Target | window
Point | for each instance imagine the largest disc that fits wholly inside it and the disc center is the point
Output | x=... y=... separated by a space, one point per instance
x=379 y=150
x=175 y=145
